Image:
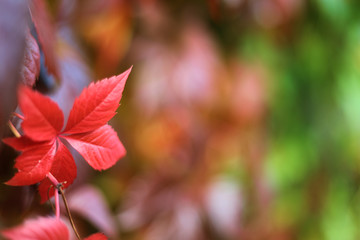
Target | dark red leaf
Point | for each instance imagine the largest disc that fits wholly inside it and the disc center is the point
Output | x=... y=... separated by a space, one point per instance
x=39 y=229
x=63 y=169
x=33 y=164
x=45 y=30
x=43 y=117
x=96 y=105
x=31 y=62
x=101 y=148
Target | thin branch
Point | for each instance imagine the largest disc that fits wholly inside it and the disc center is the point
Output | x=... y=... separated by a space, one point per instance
x=68 y=212
x=48 y=197
x=13 y=129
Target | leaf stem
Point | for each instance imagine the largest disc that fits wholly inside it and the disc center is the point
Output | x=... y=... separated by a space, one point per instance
x=59 y=190
x=48 y=197
x=18 y=115
x=13 y=129
x=57 y=204
x=52 y=179
x=56 y=183
x=68 y=212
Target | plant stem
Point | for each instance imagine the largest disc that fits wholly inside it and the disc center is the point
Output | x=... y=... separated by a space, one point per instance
x=52 y=179
x=56 y=183
x=18 y=115
x=69 y=213
x=13 y=129
x=57 y=204
x=52 y=205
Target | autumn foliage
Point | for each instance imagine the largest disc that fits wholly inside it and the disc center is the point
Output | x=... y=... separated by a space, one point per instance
x=42 y=145
x=44 y=151
x=240 y=119
x=46 y=142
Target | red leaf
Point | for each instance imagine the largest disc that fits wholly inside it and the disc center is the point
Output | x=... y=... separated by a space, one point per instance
x=43 y=152
x=39 y=229
x=96 y=236
x=63 y=169
x=96 y=105
x=43 y=117
x=31 y=62
x=20 y=144
x=34 y=164
x=101 y=148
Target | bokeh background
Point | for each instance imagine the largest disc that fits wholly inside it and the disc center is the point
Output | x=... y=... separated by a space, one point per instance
x=241 y=118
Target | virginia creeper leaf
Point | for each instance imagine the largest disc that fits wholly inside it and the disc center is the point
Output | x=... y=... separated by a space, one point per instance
x=33 y=164
x=96 y=105
x=43 y=228
x=43 y=117
x=20 y=144
x=87 y=131
x=101 y=148
x=63 y=169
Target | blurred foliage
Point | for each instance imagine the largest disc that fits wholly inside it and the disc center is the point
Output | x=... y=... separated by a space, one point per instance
x=241 y=118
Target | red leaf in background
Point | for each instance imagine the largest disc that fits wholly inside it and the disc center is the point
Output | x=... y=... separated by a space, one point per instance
x=101 y=148
x=39 y=229
x=97 y=104
x=63 y=169
x=43 y=118
x=96 y=236
x=44 y=228
x=46 y=33
x=34 y=164
x=31 y=62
